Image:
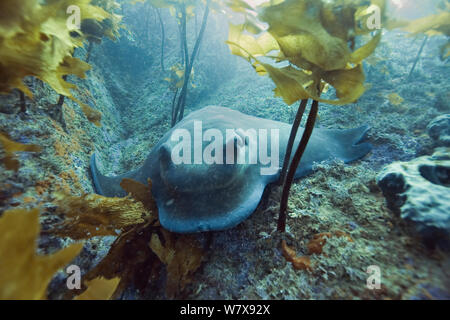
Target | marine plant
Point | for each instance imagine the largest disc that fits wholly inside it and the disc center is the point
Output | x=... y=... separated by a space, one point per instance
x=35 y=40
x=93 y=31
x=307 y=46
x=142 y=246
x=40 y=28
x=141 y=249
x=25 y=274
x=11 y=147
x=156 y=9
x=433 y=25
x=176 y=82
x=163 y=37
x=182 y=10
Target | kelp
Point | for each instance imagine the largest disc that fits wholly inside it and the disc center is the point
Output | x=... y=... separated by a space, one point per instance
x=108 y=27
x=433 y=25
x=142 y=246
x=11 y=147
x=315 y=38
x=298 y=262
x=94 y=31
x=176 y=77
x=130 y=259
x=182 y=255
x=183 y=10
x=137 y=256
x=307 y=46
x=36 y=41
x=23 y=273
x=93 y=215
x=26 y=275
x=315 y=246
x=141 y=192
x=99 y=289
x=395 y=99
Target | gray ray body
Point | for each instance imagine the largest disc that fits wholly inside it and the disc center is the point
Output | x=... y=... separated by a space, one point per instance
x=205 y=197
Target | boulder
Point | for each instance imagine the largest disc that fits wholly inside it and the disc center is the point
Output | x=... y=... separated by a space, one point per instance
x=442 y=100
x=419 y=190
x=439 y=130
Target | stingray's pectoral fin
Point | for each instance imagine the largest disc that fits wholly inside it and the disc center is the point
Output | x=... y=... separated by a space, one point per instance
x=106 y=186
x=351 y=145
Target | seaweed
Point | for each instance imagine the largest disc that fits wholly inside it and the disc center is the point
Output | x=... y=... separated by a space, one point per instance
x=433 y=25
x=26 y=275
x=142 y=246
x=35 y=41
x=309 y=45
x=182 y=255
x=138 y=255
x=11 y=147
x=94 y=30
x=182 y=10
x=99 y=289
x=315 y=246
x=176 y=82
x=314 y=45
x=92 y=215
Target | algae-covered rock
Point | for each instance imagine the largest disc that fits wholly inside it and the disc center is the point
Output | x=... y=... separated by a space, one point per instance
x=442 y=101
x=420 y=191
x=439 y=130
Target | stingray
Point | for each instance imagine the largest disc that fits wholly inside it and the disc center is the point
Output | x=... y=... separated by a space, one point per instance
x=196 y=194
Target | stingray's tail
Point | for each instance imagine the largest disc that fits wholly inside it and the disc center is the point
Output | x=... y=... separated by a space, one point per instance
x=351 y=143
x=106 y=186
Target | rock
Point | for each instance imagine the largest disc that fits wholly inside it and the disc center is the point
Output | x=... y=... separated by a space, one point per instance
x=439 y=130
x=419 y=190
x=442 y=101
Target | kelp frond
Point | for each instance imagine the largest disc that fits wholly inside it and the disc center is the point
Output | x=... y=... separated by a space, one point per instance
x=142 y=245
x=316 y=39
x=35 y=40
x=11 y=147
x=25 y=274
